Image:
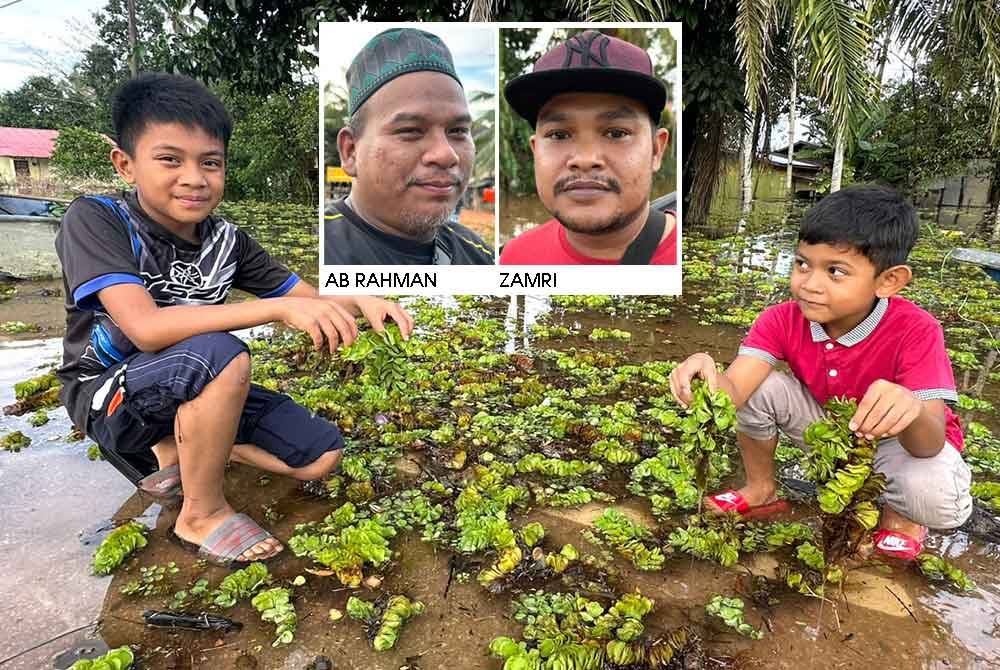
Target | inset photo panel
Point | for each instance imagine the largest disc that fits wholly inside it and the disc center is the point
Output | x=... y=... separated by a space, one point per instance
x=589 y=146
x=409 y=137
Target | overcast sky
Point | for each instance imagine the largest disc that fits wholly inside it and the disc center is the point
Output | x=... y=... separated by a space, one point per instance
x=37 y=35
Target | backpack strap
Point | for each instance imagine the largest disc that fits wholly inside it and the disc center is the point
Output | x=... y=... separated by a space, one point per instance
x=641 y=251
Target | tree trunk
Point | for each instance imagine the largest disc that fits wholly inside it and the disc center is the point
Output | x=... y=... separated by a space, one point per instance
x=746 y=164
x=984 y=374
x=793 y=100
x=883 y=57
x=703 y=132
x=133 y=59
x=996 y=224
x=838 y=163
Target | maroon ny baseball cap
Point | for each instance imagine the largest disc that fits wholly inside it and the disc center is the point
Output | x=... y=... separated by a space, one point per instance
x=590 y=62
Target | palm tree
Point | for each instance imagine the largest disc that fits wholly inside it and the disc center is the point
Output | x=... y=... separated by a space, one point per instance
x=836 y=35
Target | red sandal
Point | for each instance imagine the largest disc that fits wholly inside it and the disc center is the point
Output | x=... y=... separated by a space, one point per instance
x=733 y=501
x=894 y=544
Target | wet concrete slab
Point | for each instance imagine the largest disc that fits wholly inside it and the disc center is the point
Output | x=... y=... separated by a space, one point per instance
x=50 y=493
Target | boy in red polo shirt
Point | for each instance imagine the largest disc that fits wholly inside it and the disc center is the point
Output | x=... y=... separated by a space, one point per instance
x=847 y=333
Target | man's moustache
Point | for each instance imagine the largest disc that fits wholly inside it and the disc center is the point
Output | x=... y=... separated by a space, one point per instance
x=568 y=183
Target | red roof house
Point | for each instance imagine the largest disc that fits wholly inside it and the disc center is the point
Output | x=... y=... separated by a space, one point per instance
x=27 y=142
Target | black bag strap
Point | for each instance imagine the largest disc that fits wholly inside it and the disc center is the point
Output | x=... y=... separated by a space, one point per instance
x=641 y=251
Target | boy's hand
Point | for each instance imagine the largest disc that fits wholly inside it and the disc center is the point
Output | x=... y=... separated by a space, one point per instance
x=320 y=319
x=886 y=410
x=696 y=365
x=376 y=310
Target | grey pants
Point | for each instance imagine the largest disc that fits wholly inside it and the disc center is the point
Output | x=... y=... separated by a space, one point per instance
x=933 y=492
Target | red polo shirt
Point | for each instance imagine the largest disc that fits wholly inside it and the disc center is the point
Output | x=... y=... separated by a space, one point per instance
x=898 y=342
x=548 y=245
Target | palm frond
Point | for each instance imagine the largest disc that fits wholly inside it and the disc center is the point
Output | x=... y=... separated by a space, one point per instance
x=978 y=22
x=481 y=10
x=618 y=10
x=839 y=38
x=753 y=45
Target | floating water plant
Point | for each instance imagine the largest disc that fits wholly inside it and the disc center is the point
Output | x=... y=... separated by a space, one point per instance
x=572 y=497
x=842 y=465
x=710 y=416
x=632 y=540
x=121 y=658
x=344 y=542
x=241 y=584
x=18 y=327
x=718 y=538
x=152 y=581
x=988 y=494
x=15 y=441
x=730 y=611
x=384 y=619
x=563 y=631
x=39 y=418
x=119 y=544
x=275 y=606
x=35 y=393
x=937 y=568
x=609 y=334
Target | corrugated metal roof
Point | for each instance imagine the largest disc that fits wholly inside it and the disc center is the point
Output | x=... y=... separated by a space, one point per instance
x=27 y=142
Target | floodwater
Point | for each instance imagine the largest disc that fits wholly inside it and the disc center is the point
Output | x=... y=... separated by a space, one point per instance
x=52 y=496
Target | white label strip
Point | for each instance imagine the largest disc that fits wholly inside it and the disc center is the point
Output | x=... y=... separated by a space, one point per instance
x=500 y=280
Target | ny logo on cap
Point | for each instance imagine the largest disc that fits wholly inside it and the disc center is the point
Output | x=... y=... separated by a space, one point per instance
x=583 y=44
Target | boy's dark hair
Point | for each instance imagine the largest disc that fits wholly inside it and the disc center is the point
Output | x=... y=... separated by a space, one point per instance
x=166 y=98
x=878 y=222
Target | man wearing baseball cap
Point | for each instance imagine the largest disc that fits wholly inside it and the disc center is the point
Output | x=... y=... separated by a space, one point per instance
x=595 y=106
x=408 y=146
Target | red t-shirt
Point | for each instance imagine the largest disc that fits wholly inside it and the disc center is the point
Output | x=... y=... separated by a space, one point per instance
x=548 y=245
x=898 y=342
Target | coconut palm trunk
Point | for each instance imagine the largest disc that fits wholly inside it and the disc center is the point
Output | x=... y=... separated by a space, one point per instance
x=838 y=164
x=746 y=180
x=792 y=101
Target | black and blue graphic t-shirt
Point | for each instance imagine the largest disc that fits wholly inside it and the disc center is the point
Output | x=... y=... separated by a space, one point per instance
x=108 y=240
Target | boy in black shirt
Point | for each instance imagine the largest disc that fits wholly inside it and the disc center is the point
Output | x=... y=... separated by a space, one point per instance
x=150 y=370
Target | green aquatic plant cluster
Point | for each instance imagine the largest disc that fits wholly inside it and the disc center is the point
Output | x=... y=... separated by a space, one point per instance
x=240 y=585
x=18 y=327
x=718 y=538
x=632 y=540
x=937 y=568
x=275 y=606
x=387 y=369
x=153 y=581
x=730 y=611
x=119 y=544
x=982 y=450
x=36 y=385
x=384 y=620
x=15 y=441
x=842 y=465
x=39 y=418
x=988 y=493
x=121 y=658
x=564 y=631
x=345 y=541
x=599 y=334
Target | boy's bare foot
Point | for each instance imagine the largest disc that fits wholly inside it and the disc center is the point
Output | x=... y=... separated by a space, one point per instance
x=196 y=530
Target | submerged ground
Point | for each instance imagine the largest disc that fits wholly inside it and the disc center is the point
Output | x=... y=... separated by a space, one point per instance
x=503 y=361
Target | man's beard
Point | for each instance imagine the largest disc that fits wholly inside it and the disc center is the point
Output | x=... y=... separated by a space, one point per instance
x=621 y=219
x=423 y=226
